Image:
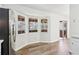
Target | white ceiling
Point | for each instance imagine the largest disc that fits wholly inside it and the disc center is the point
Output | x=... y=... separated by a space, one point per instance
x=62 y=9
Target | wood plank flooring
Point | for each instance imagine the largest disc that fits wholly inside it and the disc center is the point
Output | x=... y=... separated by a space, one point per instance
x=57 y=48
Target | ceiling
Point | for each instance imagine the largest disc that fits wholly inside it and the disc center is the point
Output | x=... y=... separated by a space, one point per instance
x=62 y=9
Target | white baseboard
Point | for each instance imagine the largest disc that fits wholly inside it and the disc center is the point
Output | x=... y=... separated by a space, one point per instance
x=54 y=40
x=16 y=49
x=34 y=42
x=50 y=41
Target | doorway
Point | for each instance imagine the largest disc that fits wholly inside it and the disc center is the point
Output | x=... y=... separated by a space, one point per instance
x=4 y=31
x=63 y=29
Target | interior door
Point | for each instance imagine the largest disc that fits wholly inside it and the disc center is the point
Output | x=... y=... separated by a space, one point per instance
x=63 y=29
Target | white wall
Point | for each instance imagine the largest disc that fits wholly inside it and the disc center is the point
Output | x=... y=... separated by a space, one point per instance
x=54 y=35
x=74 y=20
x=53 y=26
x=74 y=29
x=28 y=38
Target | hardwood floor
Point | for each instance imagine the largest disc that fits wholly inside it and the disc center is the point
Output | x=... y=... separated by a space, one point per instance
x=57 y=48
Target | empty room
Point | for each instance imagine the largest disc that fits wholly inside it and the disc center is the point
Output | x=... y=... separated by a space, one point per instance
x=39 y=29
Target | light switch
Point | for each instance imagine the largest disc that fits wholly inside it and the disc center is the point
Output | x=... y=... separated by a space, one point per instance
x=74 y=21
